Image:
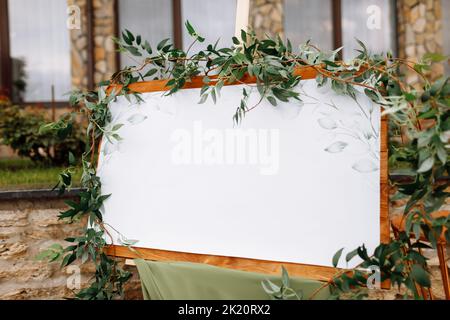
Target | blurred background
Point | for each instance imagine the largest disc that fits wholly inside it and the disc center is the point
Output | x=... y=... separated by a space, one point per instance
x=48 y=47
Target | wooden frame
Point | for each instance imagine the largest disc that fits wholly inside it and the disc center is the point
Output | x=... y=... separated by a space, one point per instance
x=6 y=81
x=5 y=57
x=177 y=26
x=321 y=273
x=336 y=16
x=90 y=44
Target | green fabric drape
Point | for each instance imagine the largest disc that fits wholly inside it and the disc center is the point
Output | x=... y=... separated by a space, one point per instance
x=195 y=281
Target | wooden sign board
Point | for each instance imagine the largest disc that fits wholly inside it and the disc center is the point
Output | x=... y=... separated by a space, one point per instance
x=289 y=186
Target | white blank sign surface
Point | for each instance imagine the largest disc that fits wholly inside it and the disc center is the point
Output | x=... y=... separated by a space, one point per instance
x=292 y=183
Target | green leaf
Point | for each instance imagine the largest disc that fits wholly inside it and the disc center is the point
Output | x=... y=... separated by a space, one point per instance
x=336 y=257
x=126 y=39
x=162 y=44
x=150 y=72
x=133 y=50
x=330 y=63
x=146 y=46
x=284 y=277
x=434 y=57
x=72 y=160
x=349 y=256
x=272 y=100
x=426 y=165
x=213 y=95
x=130 y=35
x=68 y=259
x=190 y=28
x=192 y=32
x=117 y=127
x=362 y=45
x=269 y=287
x=442 y=154
x=420 y=276
x=43 y=255
x=206 y=80
x=203 y=99
x=244 y=36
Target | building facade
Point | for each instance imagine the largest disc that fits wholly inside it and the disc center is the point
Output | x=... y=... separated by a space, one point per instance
x=49 y=47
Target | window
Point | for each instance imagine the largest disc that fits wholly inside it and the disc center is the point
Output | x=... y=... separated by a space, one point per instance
x=334 y=23
x=158 y=19
x=372 y=22
x=153 y=20
x=39 y=49
x=212 y=19
x=305 y=19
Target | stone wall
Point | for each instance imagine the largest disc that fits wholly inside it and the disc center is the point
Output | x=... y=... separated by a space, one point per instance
x=104 y=54
x=104 y=30
x=419 y=24
x=29 y=226
x=26 y=228
x=266 y=17
x=79 y=47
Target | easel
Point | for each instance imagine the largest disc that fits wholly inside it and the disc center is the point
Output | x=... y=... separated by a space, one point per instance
x=321 y=273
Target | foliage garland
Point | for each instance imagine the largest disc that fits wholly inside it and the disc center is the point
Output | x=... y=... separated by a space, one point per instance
x=422 y=156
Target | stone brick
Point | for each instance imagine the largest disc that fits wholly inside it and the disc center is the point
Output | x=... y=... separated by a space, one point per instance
x=24 y=271
x=7 y=233
x=46 y=217
x=266 y=17
x=100 y=53
x=419 y=26
x=13 y=218
x=52 y=293
x=14 y=250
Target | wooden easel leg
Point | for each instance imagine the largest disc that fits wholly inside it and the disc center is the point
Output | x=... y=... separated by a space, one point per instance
x=444 y=269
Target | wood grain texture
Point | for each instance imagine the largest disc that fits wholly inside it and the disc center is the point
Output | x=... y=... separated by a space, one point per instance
x=263 y=266
x=245 y=264
x=384 y=183
x=197 y=82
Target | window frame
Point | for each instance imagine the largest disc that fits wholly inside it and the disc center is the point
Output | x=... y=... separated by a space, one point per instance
x=177 y=27
x=5 y=57
x=6 y=80
x=337 y=32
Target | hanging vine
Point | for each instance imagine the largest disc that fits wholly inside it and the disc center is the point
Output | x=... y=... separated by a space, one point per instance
x=272 y=62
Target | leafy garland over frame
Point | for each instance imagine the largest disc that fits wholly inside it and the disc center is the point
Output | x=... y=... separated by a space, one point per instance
x=423 y=156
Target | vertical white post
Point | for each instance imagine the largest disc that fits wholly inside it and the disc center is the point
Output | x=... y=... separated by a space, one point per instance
x=242 y=13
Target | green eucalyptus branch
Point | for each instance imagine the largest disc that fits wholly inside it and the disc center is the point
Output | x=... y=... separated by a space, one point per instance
x=423 y=153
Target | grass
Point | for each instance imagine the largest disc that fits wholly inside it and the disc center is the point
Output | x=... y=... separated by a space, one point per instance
x=23 y=174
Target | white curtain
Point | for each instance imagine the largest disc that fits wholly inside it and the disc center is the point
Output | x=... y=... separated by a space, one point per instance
x=211 y=19
x=306 y=19
x=151 y=19
x=40 y=39
x=372 y=22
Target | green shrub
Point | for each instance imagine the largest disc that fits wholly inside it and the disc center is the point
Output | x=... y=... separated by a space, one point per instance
x=19 y=129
